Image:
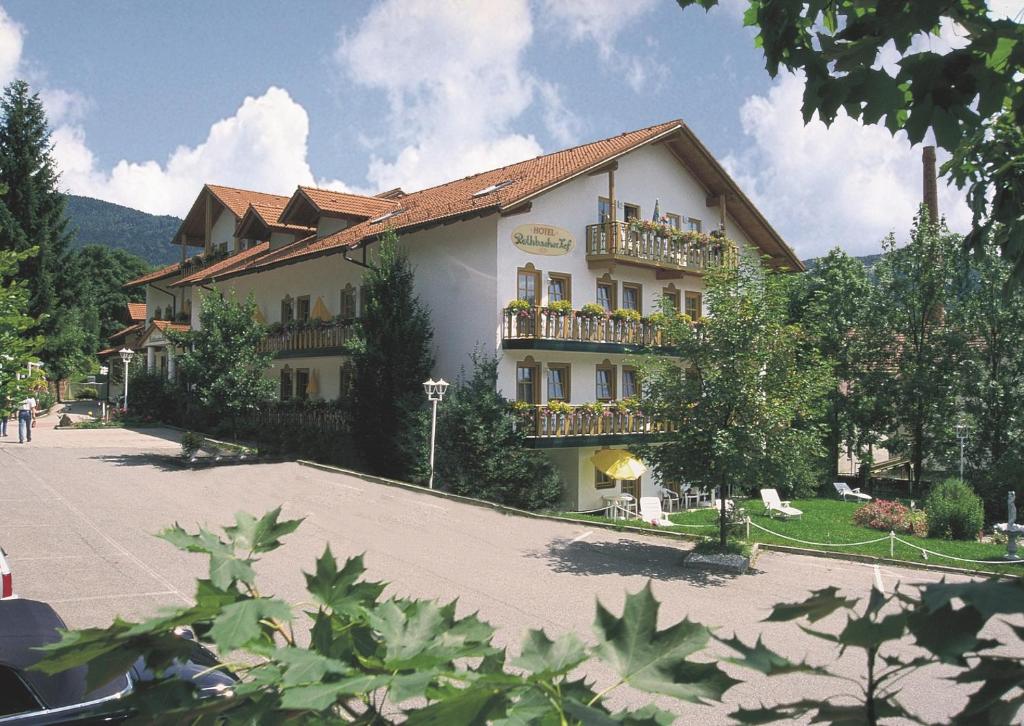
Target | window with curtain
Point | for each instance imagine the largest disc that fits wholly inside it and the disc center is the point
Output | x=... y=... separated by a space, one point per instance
x=558 y=383
x=526 y=383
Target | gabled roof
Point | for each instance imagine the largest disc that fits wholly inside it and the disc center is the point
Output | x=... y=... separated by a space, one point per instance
x=155 y=276
x=124 y=332
x=210 y=272
x=137 y=311
x=260 y=220
x=309 y=204
x=163 y=326
x=235 y=201
x=512 y=187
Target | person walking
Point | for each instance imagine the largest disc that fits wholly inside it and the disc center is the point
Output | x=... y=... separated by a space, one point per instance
x=5 y=414
x=26 y=418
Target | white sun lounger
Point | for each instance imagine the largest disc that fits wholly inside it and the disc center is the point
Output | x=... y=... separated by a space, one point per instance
x=843 y=490
x=773 y=505
x=650 y=511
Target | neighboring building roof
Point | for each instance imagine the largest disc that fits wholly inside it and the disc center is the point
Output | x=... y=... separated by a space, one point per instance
x=137 y=311
x=309 y=203
x=156 y=275
x=513 y=186
x=165 y=325
x=210 y=272
x=107 y=352
x=124 y=332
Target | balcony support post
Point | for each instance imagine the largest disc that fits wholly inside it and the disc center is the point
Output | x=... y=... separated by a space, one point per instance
x=208 y=226
x=611 y=210
x=721 y=212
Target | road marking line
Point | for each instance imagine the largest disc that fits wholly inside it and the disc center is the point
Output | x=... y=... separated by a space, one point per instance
x=582 y=536
x=125 y=596
x=112 y=542
x=878 y=580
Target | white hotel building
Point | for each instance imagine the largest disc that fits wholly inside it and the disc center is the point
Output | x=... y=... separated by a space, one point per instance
x=550 y=228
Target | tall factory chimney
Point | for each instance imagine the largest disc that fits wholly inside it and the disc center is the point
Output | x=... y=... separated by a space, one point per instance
x=930 y=196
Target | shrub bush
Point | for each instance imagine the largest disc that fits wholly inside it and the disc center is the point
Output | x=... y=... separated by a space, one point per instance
x=891 y=517
x=191 y=443
x=152 y=395
x=954 y=511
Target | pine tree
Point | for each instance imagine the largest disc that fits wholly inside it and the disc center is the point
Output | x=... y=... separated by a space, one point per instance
x=28 y=169
x=392 y=361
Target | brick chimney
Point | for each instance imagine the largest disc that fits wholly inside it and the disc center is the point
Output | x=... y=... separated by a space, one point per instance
x=930 y=196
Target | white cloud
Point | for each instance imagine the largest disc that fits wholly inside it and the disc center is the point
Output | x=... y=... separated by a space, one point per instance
x=262 y=146
x=848 y=184
x=454 y=79
x=599 y=22
x=11 y=43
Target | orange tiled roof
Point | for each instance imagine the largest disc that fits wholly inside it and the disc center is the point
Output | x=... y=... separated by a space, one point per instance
x=160 y=274
x=354 y=205
x=238 y=200
x=227 y=264
x=456 y=199
x=137 y=311
x=270 y=216
x=107 y=351
x=165 y=325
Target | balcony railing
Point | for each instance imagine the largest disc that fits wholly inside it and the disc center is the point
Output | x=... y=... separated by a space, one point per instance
x=540 y=422
x=541 y=323
x=655 y=247
x=331 y=335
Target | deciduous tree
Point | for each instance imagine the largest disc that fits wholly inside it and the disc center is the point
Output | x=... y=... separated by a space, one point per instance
x=969 y=97
x=747 y=393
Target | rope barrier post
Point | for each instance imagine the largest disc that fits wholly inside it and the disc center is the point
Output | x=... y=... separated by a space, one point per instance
x=892 y=544
x=746 y=520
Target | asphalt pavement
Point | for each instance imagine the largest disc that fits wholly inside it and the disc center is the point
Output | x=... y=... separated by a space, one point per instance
x=78 y=510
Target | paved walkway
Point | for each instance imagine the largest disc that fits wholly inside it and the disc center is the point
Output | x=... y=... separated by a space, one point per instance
x=80 y=507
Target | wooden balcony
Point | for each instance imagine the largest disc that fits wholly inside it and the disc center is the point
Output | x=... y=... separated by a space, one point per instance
x=621 y=242
x=583 y=426
x=540 y=327
x=329 y=339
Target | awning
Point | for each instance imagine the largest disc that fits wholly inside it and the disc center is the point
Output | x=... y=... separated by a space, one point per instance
x=618 y=464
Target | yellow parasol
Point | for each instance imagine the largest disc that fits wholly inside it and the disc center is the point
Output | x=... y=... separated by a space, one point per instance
x=618 y=464
x=258 y=316
x=312 y=387
x=320 y=311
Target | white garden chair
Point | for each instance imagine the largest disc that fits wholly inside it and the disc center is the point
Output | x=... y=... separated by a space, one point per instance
x=670 y=499
x=650 y=511
x=843 y=489
x=773 y=505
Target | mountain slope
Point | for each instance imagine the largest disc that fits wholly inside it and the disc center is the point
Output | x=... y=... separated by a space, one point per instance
x=103 y=223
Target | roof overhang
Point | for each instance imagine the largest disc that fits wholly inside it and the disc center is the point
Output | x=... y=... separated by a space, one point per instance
x=193 y=227
x=253 y=226
x=300 y=210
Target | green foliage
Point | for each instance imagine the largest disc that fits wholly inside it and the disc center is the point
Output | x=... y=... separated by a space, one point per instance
x=954 y=511
x=970 y=98
x=562 y=307
x=95 y=278
x=746 y=401
x=17 y=346
x=221 y=365
x=382 y=660
x=592 y=310
x=391 y=364
x=151 y=395
x=371 y=659
x=829 y=303
x=134 y=234
x=480 y=450
x=191 y=443
x=914 y=355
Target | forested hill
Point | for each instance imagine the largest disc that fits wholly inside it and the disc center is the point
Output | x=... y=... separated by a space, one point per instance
x=103 y=223
x=868 y=260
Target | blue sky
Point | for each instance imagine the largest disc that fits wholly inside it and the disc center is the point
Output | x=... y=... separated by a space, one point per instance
x=149 y=100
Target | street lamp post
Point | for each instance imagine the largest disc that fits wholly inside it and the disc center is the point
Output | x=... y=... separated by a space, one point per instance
x=435 y=392
x=961 y=436
x=126 y=356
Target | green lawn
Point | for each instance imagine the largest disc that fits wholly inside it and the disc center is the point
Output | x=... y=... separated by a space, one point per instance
x=831 y=521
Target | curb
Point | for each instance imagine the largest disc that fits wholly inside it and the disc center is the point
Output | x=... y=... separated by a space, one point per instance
x=757 y=547
x=502 y=508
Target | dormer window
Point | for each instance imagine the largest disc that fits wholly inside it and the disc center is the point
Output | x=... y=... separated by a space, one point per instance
x=492 y=188
x=389 y=215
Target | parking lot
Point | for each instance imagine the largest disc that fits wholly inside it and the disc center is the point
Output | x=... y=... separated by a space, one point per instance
x=80 y=508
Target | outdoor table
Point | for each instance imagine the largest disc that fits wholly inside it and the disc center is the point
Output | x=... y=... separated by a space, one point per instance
x=619 y=506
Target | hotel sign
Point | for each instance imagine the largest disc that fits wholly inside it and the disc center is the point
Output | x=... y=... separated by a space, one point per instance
x=542 y=239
